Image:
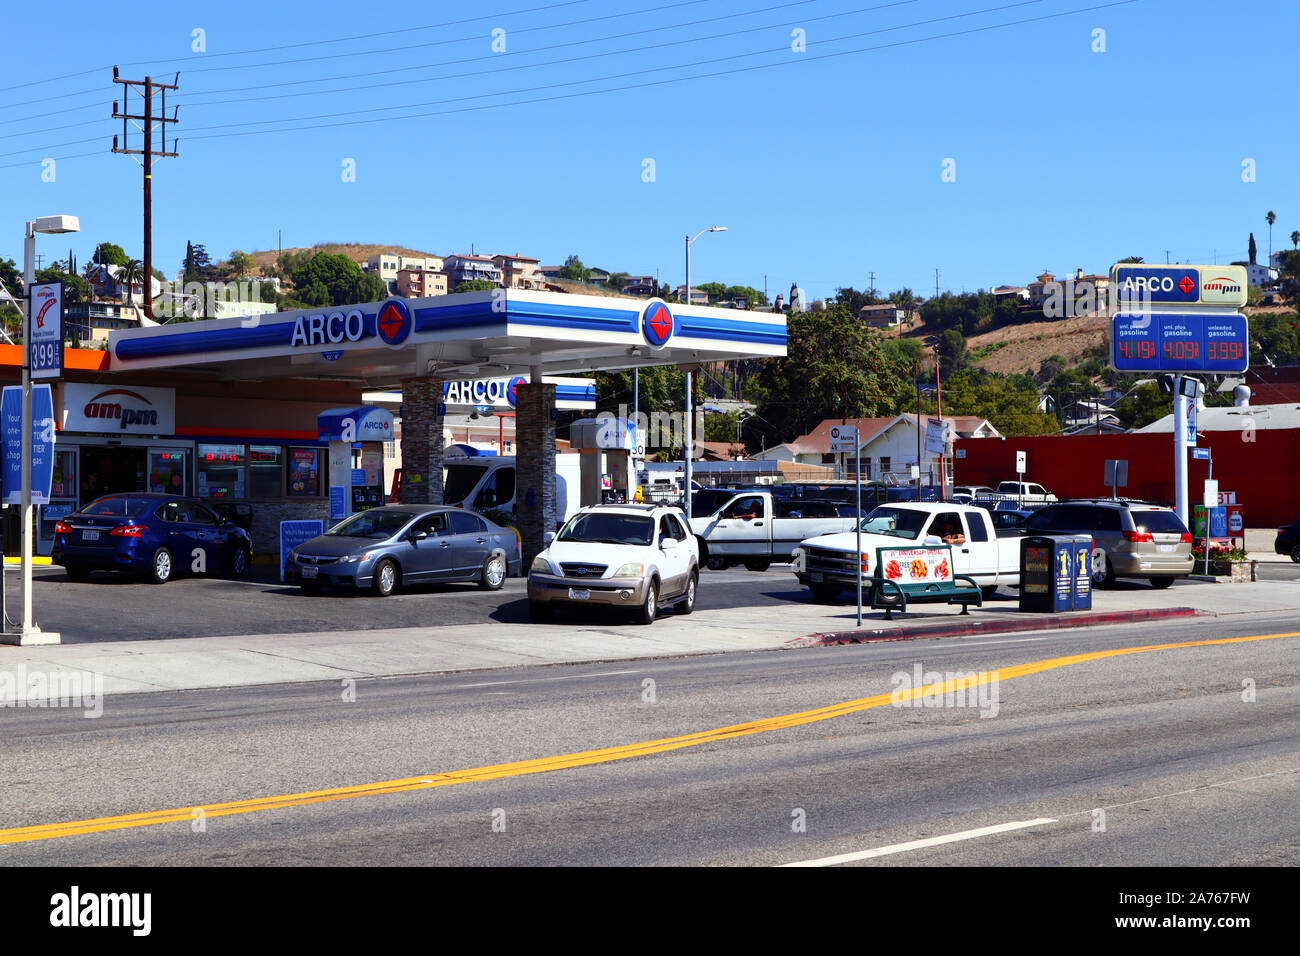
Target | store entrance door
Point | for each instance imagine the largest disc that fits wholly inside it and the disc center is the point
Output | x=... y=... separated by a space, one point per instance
x=111 y=469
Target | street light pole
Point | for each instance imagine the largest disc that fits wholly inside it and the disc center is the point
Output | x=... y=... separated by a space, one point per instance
x=688 y=443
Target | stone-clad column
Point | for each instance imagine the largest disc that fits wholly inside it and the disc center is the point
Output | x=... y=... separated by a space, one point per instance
x=535 y=506
x=422 y=442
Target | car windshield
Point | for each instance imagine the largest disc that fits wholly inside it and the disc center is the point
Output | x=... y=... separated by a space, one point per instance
x=604 y=528
x=897 y=522
x=376 y=524
x=120 y=506
x=458 y=481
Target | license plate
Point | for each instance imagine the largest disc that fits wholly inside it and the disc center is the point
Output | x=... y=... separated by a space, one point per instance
x=816 y=578
x=1164 y=548
x=90 y=536
x=310 y=572
x=579 y=594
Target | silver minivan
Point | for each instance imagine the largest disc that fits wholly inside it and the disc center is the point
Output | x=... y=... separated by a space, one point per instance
x=1130 y=539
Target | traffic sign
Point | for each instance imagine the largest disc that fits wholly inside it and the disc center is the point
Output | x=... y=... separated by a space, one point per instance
x=1205 y=286
x=844 y=439
x=1201 y=454
x=1022 y=460
x=1179 y=342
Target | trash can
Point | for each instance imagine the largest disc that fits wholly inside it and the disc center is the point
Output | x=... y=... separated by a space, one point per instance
x=1055 y=573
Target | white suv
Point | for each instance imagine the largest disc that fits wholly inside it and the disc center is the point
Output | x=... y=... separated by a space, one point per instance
x=635 y=556
x=1026 y=492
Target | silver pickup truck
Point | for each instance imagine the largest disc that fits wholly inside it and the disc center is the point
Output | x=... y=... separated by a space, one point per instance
x=755 y=529
x=829 y=564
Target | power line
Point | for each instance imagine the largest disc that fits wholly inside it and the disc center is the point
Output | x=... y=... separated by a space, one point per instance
x=672 y=80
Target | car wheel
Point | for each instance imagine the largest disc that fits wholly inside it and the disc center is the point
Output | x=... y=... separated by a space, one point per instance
x=824 y=593
x=717 y=564
x=1295 y=554
x=761 y=564
x=687 y=604
x=539 y=612
x=76 y=573
x=1103 y=575
x=385 y=579
x=989 y=592
x=650 y=606
x=239 y=561
x=494 y=573
x=160 y=571
x=1161 y=583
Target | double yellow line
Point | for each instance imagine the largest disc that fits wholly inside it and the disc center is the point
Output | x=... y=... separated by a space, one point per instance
x=48 y=831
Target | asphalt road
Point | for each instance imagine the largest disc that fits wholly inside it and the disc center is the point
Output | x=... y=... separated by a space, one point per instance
x=118 y=608
x=1185 y=769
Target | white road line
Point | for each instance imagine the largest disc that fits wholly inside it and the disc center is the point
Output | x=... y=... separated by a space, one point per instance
x=544 y=680
x=922 y=844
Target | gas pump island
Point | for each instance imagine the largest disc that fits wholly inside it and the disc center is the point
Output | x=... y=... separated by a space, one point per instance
x=356 y=457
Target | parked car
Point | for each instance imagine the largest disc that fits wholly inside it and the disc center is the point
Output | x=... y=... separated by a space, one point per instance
x=1130 y=539
x=1006 y=519
x=640 y=557
x=972 y=491
x=1288 y=541
x=1025 y=492
x=755 y=528
x=387 y=548
x=149 y=534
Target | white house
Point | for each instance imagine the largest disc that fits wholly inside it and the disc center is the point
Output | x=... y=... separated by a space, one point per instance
x=889 y=453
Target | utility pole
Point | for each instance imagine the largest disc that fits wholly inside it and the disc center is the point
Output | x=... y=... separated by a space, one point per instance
x=936 y=283
x=144 y=122
x=1166 y=257
x=871 y=288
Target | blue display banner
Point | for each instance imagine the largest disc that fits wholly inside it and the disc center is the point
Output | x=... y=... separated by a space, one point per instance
x=294 y=533
x=338 y=503
x=42 y=466
x=1219 y=521
x=358 y=477
x=1179 y=342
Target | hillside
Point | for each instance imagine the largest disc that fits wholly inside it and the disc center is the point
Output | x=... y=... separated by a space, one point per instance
x=356 y=251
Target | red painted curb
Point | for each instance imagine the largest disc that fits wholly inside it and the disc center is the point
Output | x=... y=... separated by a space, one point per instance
x=1044 y=623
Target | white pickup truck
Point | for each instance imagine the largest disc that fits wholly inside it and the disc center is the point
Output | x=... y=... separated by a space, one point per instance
x=831 y=563
x=755 y=529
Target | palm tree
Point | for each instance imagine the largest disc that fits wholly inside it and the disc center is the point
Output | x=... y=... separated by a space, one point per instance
x=1270 y=219
x=131 y=273
x=1295 y=239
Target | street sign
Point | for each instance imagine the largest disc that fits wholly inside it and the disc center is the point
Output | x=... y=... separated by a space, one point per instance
x=1179 y=342
x=1022 y=459
x=844 y=439
x=1201 y=454
x=936 y=437
x=42 y=466
x=1116 y=473
x=47 y=330
x=1215 y=286
x=1210 y=496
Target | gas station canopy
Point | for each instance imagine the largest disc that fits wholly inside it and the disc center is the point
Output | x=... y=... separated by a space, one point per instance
x=473 y=334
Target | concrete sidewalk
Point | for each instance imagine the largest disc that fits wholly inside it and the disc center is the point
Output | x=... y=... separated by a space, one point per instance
x=1259 y=546
x=239 y=660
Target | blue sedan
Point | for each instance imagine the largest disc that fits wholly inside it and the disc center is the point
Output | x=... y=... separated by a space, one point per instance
x=149 y=534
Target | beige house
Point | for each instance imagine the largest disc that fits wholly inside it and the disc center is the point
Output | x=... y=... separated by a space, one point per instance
x=418 y=283
x=519 y=272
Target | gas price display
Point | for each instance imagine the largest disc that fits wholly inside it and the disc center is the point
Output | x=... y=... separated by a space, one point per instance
x=1179 y=342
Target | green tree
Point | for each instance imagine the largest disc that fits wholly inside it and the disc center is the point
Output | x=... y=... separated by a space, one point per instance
x=109 y=254
x=1132 y=259
x=1270 y=217
x=241 y=264
x=1144 y=405
x=721 y=427
x=1008 y=402
x=476 y=285
x=952 y=352
x=370 y=288
x=573 y=269
x=1295 y=238
x=75 y=288
x=336 y=278
x=1251 y=249
x=11 y=276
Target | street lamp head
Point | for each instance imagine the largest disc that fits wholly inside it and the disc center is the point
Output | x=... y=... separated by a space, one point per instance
x=718 y=229
x=54 y=225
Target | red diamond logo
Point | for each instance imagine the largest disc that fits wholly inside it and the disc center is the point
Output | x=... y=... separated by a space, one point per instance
x=661 y=323
x=1187 y=285
x=390 y=323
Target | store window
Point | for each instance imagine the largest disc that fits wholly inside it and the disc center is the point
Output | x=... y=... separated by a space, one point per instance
x=304 y=473
x=265 y=471
x=219 y=471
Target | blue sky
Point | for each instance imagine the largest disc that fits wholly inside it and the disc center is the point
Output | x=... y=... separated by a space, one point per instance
x=826 y=164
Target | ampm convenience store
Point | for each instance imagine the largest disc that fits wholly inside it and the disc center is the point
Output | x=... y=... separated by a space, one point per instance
x=264 y=379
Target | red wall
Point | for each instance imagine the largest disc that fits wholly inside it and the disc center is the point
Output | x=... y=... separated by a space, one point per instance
x=1265 y=472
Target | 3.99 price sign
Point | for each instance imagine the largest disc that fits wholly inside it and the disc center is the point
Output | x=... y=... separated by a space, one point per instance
x=1179 y=342
x=46 y=330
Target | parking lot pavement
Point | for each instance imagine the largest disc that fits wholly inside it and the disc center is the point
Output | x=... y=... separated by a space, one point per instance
x=260 y=632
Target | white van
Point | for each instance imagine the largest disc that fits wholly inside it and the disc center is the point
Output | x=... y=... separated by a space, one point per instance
x=487 y=483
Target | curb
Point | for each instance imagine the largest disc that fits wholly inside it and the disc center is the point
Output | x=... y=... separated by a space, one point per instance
x=1054 y=622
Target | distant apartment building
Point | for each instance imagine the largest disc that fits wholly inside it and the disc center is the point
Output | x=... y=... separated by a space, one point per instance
x=644 y=286
x=93 y=321
x=550 y=272
x=1261 y=276
x=883 y=316
x=698 y=296
x=1087 y=293
x=1020 y=292
x=419 y=283
x=106 y=282
x=468 y=268
x=388 y=264
x=519 y=272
